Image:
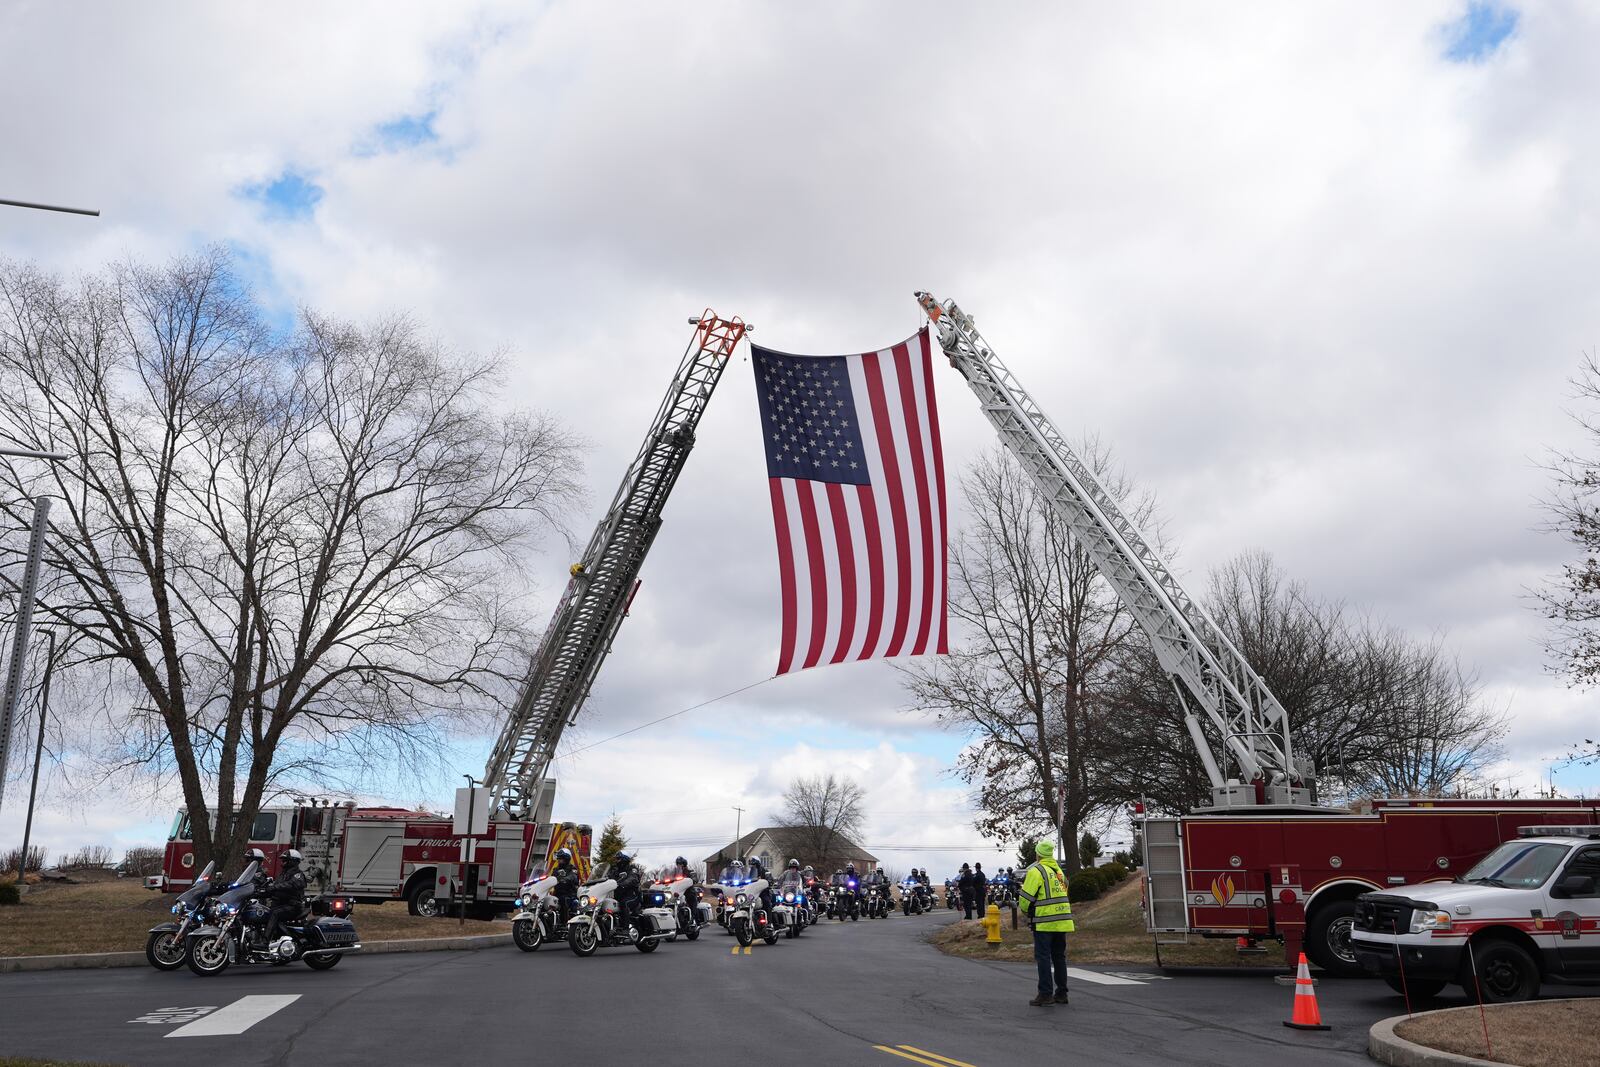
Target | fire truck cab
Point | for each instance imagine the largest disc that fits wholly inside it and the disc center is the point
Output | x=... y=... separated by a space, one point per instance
x=1527 y=912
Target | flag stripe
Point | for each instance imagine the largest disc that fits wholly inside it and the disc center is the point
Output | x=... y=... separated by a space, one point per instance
x=847 y=571
x=872 y=530
x=891 y=491
x=780 y=520
x=935 y=447
x=819 y=583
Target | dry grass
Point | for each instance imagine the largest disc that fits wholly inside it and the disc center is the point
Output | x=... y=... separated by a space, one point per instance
x=1556 y=1033
x=1110 y=930
x=116 y=916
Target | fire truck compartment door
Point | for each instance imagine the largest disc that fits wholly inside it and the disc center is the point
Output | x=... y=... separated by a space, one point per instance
x=507 y=874
x=372 y=855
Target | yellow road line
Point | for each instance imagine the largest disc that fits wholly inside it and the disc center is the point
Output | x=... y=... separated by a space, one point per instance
x=748 y=949
x=936 y=1056
x=907 y=1056
x=734 y=951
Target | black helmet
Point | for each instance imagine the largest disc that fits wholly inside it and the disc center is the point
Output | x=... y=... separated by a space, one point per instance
x=681 y=862
x=563 y=855
x=622 y=860
x=291 y=858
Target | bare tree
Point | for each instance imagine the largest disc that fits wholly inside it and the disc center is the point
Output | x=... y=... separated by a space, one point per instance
x=1033 y=679
x=282 y=559
x=1376 y=711
x=821 y=818
x=1572 y=601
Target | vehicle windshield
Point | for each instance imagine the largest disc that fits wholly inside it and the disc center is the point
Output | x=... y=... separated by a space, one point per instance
x=202 y=885
x=248 y=874
x=536 y=872
x=598 y=873
x=1518 y=865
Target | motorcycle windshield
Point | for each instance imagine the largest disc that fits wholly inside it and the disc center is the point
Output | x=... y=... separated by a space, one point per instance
x=598 y=873
x=248 y=875
x=202 y=886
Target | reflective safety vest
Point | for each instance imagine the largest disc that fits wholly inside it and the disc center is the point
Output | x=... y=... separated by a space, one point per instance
x=1044 y=898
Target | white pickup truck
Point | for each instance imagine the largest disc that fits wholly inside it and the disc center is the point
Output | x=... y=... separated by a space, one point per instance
x=1528 y=912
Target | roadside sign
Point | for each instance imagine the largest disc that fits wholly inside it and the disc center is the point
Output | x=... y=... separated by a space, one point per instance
x=472 y=811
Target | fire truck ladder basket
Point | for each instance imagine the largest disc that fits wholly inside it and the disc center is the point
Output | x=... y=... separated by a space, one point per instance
x=1207 y=670
x=604 y=580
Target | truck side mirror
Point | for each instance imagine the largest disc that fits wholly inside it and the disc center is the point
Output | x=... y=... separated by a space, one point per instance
x=1574 y=885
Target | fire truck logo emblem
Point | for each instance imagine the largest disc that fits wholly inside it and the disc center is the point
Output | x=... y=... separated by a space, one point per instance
x=1222 y=888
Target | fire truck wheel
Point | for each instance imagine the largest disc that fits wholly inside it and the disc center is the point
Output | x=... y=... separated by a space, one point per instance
x=1328 y=938
x=422 y=901
x=1506 y=972
x=1416 y=988
x=323 y=961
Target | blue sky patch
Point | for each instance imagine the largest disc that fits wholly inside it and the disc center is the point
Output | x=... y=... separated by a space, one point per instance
x=291 y=195
x=407 y=131
x=1476 y=35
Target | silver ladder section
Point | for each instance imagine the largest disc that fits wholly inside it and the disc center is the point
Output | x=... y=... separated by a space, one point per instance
x=1166 y=899
x=1207 y=670
x=603 y=581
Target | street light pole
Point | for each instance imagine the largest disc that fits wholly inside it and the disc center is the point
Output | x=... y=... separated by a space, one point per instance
x=19 y=637
x=38 y=757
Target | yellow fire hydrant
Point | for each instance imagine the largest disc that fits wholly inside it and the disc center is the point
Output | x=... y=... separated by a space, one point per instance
x=991 y=923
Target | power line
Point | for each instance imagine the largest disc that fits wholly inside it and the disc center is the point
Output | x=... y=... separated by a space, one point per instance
x=664 y=718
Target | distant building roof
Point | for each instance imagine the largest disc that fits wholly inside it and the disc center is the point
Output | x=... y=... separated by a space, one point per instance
x=845 y=850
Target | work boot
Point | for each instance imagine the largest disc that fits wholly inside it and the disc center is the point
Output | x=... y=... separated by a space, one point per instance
x=1039 y=1001
x=1061 y=997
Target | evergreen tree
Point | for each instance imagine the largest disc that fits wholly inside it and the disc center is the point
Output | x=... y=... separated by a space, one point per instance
x=612 y=841
x=1088 y=849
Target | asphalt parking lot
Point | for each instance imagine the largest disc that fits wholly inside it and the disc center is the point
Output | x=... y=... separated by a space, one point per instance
x=861 y=993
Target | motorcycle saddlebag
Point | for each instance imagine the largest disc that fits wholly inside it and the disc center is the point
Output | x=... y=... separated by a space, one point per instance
x=331 y=933
x=660 y=920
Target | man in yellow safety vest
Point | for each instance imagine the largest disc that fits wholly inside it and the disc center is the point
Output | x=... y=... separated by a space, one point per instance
x=1044 y=901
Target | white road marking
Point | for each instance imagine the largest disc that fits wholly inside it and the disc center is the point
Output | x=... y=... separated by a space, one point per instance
x=1096 y=978
x=237 y=1017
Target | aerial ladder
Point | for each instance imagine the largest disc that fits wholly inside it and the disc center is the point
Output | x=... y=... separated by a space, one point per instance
x=1212 y=679
x=602 y=584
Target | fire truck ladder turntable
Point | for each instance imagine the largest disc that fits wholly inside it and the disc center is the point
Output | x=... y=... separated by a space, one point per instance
x=604 y=581
x=1207 y=671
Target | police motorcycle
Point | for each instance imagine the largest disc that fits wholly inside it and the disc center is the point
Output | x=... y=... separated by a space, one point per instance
x=235 y=931
x=844 y=898
x=790 y=901
x=730 y=883
x=675 y=889
x=911 y=896
x=600 y=922
x=164 y=948
x=750 y=920
x=878 y=904
x=538 y=915
x=952 y=895
x=1001 y=891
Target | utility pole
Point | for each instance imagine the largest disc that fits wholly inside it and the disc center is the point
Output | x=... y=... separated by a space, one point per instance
x=19 y=637
x=738 y=826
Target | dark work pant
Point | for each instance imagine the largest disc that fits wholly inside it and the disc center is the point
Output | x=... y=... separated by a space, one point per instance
x=280 y=912
x=968 y=902
x=1050 y=951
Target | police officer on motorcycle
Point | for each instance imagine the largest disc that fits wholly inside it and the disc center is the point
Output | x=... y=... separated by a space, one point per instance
x=755 y=872
x=628 y=878
x=287 y=892
x=567 y=882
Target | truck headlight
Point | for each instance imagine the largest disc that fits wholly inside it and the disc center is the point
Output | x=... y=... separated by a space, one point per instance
x=1426 y=920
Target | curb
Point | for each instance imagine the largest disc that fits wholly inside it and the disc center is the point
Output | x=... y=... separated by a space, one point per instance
x=100 y=960
x=1385 y=1047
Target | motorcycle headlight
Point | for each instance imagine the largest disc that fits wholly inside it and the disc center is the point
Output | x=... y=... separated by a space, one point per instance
x=740 y=899
x=520 y=902
x=177 y=909
x=229 y=909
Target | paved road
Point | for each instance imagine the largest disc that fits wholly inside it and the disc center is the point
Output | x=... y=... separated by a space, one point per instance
x=862 y=993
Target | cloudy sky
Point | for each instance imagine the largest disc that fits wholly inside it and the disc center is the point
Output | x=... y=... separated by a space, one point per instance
x=1317 y=273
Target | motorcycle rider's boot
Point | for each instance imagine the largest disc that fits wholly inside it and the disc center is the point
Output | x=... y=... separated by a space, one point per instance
x=1061 y=997
x=1039 y=1002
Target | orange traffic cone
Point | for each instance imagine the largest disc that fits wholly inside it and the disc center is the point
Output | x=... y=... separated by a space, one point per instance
x=1306 y=1015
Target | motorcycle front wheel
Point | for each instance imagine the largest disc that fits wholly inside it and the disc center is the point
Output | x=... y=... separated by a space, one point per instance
x=582 y=939
x=208 y=955
x=742 y=931
x=527 y=935
x=164 y=950
x=323 y=961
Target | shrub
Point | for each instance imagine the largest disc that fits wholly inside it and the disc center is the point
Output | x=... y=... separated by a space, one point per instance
x=1126 y=859
x=10 y=860
x=9 y=893
x=1085 y=885
x=87 y=856
x=141 y=861
x=1115 y=871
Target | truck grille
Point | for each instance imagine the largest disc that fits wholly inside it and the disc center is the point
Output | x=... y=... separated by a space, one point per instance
x=1380 y=914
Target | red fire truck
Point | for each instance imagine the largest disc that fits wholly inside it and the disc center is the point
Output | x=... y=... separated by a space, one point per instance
x=1295 y=876
x=379 y=854
x=1262 y=861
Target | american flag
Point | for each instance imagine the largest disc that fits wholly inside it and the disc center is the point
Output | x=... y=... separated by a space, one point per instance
x=857 y=482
